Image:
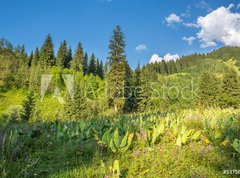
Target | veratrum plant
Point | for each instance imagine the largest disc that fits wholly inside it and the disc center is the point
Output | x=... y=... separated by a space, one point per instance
x=114 y=142
x=154 y=134
x=118 y=145
x=220 y=130
x=186 y=135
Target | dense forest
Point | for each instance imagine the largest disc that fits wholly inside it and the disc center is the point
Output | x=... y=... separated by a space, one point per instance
x=114 y=87
x=90 y=117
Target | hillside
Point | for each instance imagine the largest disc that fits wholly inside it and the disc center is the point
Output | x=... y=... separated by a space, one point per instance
x=171 y=119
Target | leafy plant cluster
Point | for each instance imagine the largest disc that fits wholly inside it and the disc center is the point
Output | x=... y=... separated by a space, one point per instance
x=120 y=135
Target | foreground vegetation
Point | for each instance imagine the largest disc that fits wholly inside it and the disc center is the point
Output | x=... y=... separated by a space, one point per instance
x=190 y=143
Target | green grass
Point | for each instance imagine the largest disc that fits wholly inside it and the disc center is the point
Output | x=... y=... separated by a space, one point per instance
x=50 y=107
x=11 y=98
x=79 y=155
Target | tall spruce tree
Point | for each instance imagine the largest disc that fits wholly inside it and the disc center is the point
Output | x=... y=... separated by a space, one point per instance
x=136 y=87
x=164 y=69
x=144 y=92
x=76 y=106
x=36 y=57
x=68 y=58
x=47 y=53
x=30 y=59
x=97 y=67
x=92 y=65
x=230 y=90
x=101 y=72
x=28 y=107
x=85 y=64
x=208 y=91
x=128 y=88
x=62 y=55
x=77 y=62
x=116 y=75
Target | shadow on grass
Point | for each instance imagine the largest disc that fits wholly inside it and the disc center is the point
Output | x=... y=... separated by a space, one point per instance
x=36 y=151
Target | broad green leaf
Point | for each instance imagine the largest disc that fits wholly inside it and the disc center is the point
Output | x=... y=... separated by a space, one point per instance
x=116 y=138
x=130 y=138
x=124 y=140
x=106 y=137
x=112 y=146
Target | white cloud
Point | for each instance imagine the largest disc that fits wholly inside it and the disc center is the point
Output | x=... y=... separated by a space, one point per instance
x=230 y=6
x=189 y=39
x=172 y=18
x=238 y=6
x=141 y=47
x=220 y=25
x=167 y=57
x=191 y=25
x=203 y=5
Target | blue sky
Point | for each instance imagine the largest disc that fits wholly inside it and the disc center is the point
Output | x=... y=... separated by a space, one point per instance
x=151 y=27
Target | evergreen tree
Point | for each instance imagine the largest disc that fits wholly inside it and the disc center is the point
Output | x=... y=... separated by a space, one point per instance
x=100 y=69
x=128 y=87
x=136 y=87
x=101 y=72
x=77 y=62
x=36 y=57
x=76 y=107
x=30 y=59
x=28 y=107
x=92 y=65
x=47 y=52
x=62 y=55
x=116 y=74
x=22 y=55
x=143 y=92
x=164 y=69
x=97 y=67
x=230 y=90
x=208 y=91
x=85 y=64
x=68 y=58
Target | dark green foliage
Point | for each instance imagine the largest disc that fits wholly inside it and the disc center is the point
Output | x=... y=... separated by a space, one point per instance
x=92 y=68
x=62 y=55
x=100 y=70
x=230 y=90
x=68 y=58
x=76 y=106
x=164 y=68
x=77 y=62
x=47 y=53
x=208 y=91
x=128 y=88
x=144 y=93
x=30 y=59
x=136 y=88
x=36 y=57
x=117 y=73
x=85 y=64
x=28 y=107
